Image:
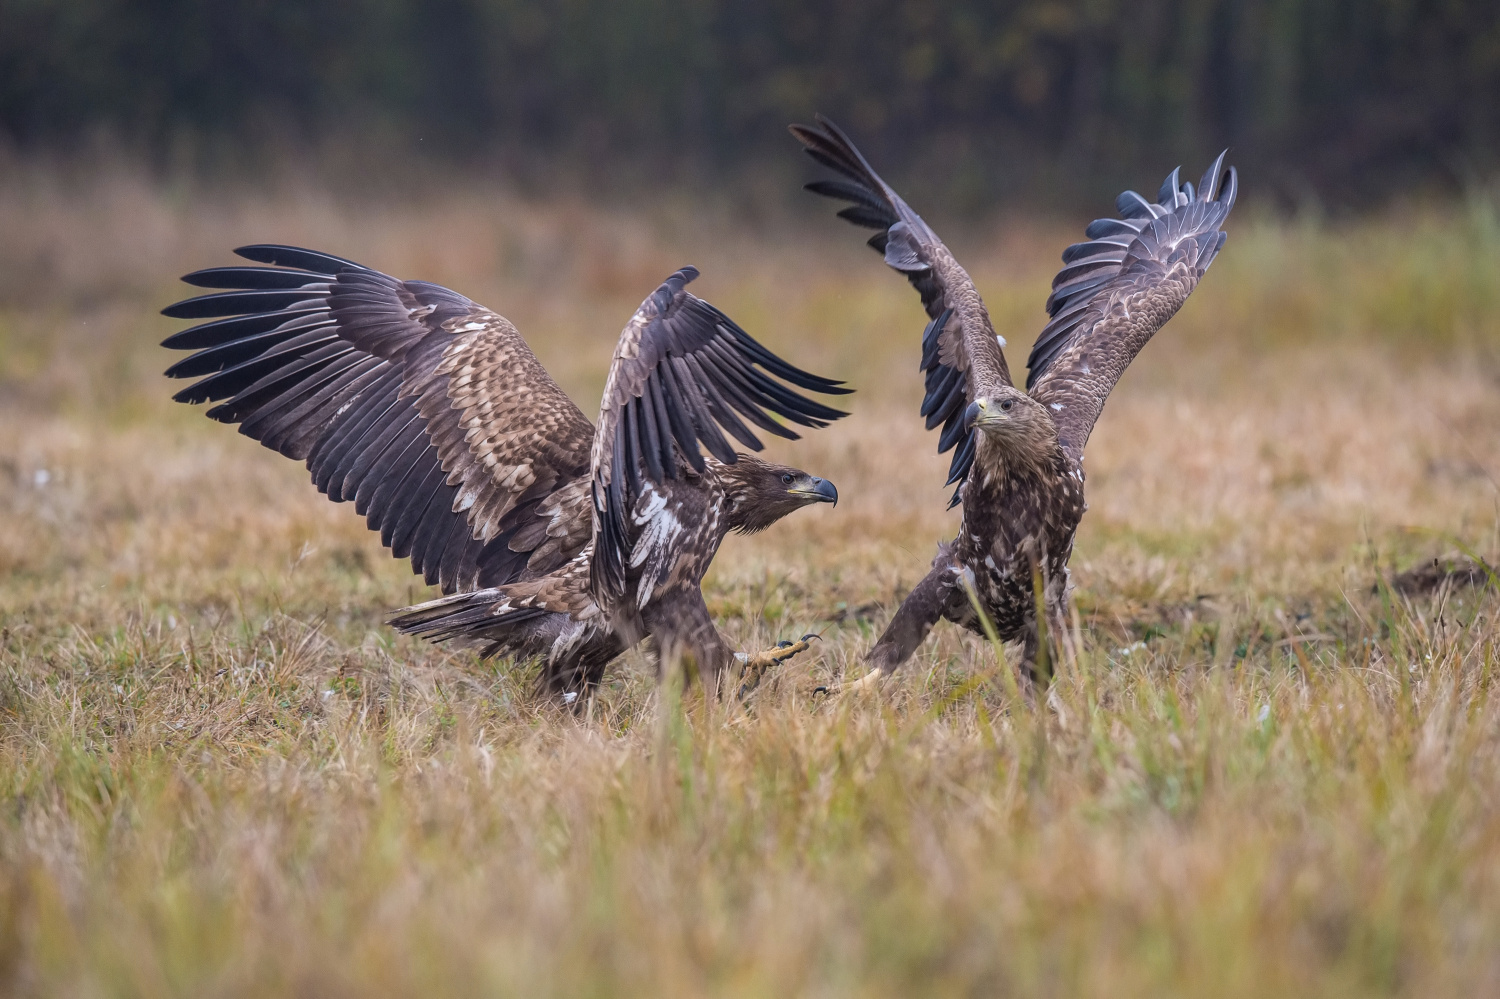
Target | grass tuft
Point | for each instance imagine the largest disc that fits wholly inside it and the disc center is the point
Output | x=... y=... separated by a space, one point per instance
x=1266 y=764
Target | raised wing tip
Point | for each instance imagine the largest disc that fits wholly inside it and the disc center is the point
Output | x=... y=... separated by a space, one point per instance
x=262 y=253
x=1170 y=188
x=1232 y=188
x=199 y=278
x=681 y=278
x=824 y=130
x=280 y=255
x=1212 y=184
x=1132 y=205
x=672 y=287
x=195 y=278
x=810 y=135
x=1217 y=183
x=189 y=308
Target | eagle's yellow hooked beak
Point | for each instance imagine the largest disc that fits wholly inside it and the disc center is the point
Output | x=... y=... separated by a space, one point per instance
x=980 y=413
x=817 y=490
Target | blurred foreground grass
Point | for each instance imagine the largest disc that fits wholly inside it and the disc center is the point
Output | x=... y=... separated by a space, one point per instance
x=1266 y=772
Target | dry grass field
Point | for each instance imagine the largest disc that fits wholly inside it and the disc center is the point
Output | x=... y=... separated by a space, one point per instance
x=1266 y=771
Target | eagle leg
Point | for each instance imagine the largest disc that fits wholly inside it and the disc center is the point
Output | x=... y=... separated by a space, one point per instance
x=923 y=607
x=1041 y=654
x=685 y=637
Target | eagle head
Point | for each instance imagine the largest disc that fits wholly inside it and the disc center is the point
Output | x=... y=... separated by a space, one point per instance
x=1012 y=419
x=760 y=493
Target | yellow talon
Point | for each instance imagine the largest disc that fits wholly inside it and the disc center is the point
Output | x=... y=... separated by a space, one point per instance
x=869 y=682
x=758 y=665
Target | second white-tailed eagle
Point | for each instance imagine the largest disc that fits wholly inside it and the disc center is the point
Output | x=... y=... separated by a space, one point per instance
x=1018 y=456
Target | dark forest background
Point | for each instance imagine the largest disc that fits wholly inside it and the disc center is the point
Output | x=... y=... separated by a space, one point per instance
x=1345 y=102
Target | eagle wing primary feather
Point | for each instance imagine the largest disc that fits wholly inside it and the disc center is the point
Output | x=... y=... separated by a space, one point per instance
x=1116 y=290
x=428 y=411
x=683 y=375
x=961 y=356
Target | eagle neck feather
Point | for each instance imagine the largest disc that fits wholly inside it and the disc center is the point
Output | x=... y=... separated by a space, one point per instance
x=1018 y=456
x=740 y=505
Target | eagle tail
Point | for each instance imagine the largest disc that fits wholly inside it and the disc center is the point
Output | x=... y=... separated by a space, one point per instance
x=486 y=614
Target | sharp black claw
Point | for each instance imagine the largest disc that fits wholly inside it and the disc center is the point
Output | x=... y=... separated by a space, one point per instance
x=784 y=643
x=810 y=636
x=820 y=690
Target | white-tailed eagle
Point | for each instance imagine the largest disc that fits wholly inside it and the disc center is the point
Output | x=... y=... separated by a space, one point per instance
x=552 y=539
x=1018 y=455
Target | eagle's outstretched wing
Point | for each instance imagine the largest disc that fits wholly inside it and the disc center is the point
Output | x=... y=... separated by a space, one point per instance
x=1118 y=289
x=682 y=373
x=428 y=411
x=960 y=354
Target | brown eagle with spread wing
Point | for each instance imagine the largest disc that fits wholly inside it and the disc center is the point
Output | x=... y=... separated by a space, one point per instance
x=552 y=539
x=1018 y=456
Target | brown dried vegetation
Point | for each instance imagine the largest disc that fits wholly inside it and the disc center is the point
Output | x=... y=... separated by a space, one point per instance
x=1263 y=772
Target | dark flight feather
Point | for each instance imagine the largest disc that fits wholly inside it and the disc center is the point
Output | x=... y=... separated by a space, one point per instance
x=246 y=278
x=684 y=374
x=329 y=362
x=959 y=326
x=1153 y=256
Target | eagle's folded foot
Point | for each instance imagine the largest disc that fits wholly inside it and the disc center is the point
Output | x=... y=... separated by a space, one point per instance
x=756 y=666
x=871 y=681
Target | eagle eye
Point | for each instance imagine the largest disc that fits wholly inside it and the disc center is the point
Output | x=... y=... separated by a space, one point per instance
x=787 y=478
x=1007 y=404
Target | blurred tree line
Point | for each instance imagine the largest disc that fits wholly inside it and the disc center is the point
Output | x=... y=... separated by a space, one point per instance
x=1344 y=100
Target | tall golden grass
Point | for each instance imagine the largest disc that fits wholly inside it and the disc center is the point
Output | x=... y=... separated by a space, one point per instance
x=1264 y=772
